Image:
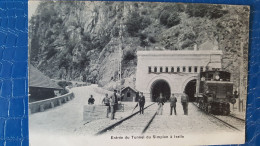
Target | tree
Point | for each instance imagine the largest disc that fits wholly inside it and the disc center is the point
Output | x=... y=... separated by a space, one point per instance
x=164 y=17
x=173 y=20
x=136 y=22
x=129 y=54
x=203 y=10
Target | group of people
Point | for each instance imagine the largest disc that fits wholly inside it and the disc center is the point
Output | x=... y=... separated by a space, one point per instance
x=161 y=100
x=112 y=103
x=173 y=100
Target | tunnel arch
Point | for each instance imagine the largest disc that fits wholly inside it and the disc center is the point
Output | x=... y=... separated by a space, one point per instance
x=190 y=90
x=186 y=81
x=160 y=86
x=189 y=87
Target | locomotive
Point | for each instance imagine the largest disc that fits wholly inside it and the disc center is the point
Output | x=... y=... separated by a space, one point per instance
x=214 y=92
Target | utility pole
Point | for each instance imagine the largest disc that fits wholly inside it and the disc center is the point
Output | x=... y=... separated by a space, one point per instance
x=73 y=62
x=241 y=73
x=120 y=51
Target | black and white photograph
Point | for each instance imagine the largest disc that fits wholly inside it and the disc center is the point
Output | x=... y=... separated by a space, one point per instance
x=137 y=73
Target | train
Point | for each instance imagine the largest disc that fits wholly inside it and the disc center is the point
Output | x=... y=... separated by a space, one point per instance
x=214 y=92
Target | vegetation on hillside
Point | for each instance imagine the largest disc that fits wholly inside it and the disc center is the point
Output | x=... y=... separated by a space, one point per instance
x=80 y=40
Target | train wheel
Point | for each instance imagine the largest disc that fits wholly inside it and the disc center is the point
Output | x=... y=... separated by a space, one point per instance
x=200 y=105
x=209 y=109
x=225 y=112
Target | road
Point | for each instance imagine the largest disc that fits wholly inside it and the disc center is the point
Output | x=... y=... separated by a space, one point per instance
x=65 y=125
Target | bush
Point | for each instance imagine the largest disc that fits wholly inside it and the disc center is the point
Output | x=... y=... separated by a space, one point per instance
x=175 y=7
x=186 y=44
x=144 y=12
x=152 y=39
x=86 y=38
x=49 y=34
x=216 y=12
x=35 y=48
x=47 y=12
x=197 y=10
x=51 y=52
x=135 y=23
x=164 y=17
x=64 y=62
x=173 y=20
x=83 y=62
x=129 y=54
x=115 y=31
x=145 y=21
x=169 y=19
x=177 y=34
x=143 y=36
x=70 y=48
x=63 y=84
x=144 y=43
x=202 y=10
x=190 y=36
x=136 y=5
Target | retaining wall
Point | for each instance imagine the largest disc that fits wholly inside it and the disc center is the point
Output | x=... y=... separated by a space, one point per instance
x=40 y=106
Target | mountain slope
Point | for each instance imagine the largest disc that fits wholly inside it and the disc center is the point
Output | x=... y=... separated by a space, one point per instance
x=81 y=40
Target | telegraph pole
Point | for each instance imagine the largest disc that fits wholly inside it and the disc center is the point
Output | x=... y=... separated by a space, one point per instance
x=120 y=51
x=241 y=72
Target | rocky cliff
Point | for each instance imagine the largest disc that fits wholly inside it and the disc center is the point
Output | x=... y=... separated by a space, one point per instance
x=81 y=40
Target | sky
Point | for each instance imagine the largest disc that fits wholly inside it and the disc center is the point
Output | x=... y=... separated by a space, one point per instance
x=32 y=6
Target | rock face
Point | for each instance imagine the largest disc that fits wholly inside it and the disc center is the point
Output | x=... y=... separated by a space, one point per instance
x=81 y=40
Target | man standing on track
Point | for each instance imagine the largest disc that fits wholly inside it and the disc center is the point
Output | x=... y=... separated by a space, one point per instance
x=160 y=101
x=106 y=102
x=113 y=104
x=141 y=103
x=173 y=101
x=184 y=102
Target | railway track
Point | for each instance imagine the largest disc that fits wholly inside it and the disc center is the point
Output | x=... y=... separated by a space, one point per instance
x=141 y=122
x=231 y=122
x=240 y=119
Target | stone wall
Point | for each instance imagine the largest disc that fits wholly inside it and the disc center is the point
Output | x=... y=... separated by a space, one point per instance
x=40 y=106
x=152 y=67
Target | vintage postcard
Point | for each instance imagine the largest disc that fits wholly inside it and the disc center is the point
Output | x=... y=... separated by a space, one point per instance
x=125 y=73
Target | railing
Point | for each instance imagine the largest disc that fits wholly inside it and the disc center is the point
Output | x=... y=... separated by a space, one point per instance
x=40 y=106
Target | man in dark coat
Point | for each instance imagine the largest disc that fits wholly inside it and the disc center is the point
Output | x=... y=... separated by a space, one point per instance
x=91 y=100
x=236 y=94
x=173 y=101
x=116 y=99
x=113 y=104
x=141 y=102
x=184 y=102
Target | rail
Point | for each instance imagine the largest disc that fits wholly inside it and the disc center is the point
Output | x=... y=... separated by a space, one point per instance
x=121 y=121
x=240 y=119
x=150 y=122
x=220 y=120
x=40 y=106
